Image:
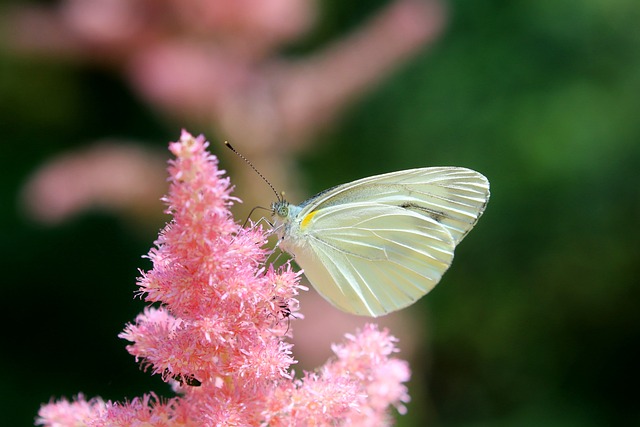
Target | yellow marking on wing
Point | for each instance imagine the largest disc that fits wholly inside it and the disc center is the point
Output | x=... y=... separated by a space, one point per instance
x=307 y=219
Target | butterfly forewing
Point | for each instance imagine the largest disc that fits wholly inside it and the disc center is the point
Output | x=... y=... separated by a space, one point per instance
x=453 y=196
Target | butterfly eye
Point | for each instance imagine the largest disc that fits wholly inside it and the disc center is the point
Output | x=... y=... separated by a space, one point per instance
x=283 y=211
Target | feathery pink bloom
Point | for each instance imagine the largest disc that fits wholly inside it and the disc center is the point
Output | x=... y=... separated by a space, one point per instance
x=218 y=334
x=117 y=176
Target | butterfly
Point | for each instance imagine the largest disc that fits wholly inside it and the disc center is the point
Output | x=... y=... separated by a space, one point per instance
x=378 y=244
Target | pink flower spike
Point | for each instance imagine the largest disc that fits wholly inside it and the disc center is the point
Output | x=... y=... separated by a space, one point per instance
x=76 y=413
x=218 y=333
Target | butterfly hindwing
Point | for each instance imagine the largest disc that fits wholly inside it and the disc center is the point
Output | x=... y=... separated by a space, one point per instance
x=371 y=259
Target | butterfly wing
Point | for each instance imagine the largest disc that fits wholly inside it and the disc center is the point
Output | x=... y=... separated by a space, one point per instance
x=454 y=197
x=371 y=259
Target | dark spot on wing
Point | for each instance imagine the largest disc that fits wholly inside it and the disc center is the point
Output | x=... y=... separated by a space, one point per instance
x=436 y=215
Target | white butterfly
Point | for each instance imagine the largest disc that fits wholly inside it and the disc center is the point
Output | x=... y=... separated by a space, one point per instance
x=378 y=244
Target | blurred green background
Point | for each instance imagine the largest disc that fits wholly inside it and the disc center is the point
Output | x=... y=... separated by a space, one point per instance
x=536 y=324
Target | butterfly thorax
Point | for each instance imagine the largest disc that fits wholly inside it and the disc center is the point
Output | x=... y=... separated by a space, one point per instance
x=285 y=224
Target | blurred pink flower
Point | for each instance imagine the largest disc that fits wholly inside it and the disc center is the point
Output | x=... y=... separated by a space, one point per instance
x=218 y=62
x=218 y=334
x=324 y=324
x=114 y=30
x=112 y=175
x=269 y=103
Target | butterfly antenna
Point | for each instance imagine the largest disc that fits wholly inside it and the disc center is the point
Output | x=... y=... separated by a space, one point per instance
x=278 y=196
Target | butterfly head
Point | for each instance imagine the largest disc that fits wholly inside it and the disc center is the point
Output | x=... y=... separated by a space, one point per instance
x=286 y=224
x=280 y=210
x=280 y=215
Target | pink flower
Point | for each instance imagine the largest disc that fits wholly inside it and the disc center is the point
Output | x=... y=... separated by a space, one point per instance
x=76 y=413
x=117 y=176
x=220 y=61
x=218 y=335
